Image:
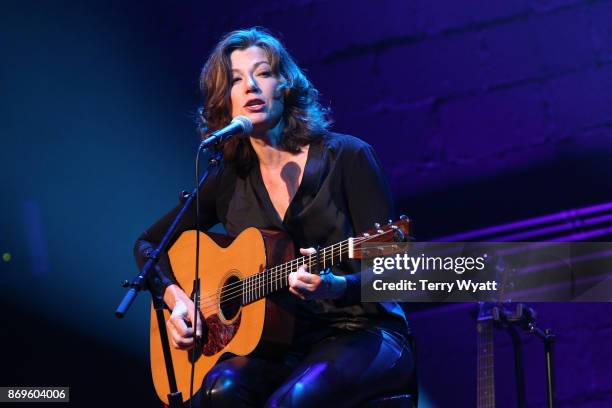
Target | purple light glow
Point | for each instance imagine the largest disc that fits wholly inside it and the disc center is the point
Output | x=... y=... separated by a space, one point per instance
x=570 y=218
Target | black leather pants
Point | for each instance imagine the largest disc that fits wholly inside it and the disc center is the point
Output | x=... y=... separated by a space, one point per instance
x=343 y=370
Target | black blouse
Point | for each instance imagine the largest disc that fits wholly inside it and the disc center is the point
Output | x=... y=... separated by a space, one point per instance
x=343 y=192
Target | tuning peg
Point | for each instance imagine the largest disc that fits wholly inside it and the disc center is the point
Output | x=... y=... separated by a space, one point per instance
x=365 y=234
x=376 y=225
x=403 y=217
x=390 y=221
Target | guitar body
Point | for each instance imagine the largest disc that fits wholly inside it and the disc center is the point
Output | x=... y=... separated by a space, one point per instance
x=263 y=325
x=243 y=294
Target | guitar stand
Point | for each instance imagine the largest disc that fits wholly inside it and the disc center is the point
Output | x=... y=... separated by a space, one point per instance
x=175 y=397
x=525 y=317
x=548 y=339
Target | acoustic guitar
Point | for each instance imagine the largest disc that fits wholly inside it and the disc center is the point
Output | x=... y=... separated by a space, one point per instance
x=243 y=293
x=488 y=317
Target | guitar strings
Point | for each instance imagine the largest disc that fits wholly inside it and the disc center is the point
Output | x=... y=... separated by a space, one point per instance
x=255 y=286
x=211 y=301
x=280 y=272
x=255 y=283
x=263 y=279
x=258 y=278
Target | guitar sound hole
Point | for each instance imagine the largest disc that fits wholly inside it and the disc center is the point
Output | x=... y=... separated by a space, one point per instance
x=231 y=298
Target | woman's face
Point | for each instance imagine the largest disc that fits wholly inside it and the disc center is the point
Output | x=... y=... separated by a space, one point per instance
x=255 y=89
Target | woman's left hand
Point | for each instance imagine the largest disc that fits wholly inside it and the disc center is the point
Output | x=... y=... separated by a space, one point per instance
x=308 y=286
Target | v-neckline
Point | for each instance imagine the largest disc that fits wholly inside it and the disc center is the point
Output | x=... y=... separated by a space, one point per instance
x=307 y=172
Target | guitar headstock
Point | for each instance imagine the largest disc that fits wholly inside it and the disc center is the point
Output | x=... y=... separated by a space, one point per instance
x=398 y=231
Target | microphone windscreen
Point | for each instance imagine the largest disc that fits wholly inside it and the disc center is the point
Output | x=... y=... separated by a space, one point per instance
x=245 y=122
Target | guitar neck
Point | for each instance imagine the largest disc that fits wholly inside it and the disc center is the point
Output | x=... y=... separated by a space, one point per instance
x=485 y=365
x=273 y=279
x=276 y=278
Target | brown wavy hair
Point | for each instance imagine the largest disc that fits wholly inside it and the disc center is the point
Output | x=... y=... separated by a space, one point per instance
x=304 y=118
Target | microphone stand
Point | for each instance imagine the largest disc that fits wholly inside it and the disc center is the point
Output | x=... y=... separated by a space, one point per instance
x=175 y=397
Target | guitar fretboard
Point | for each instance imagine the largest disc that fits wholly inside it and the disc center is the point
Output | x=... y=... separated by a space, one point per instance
x=275 y=278
x=485 y=365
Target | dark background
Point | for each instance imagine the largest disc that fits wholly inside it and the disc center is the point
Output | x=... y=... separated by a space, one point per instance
x=482 y=112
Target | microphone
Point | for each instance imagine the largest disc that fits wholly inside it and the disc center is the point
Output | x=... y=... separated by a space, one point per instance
x=238 y=126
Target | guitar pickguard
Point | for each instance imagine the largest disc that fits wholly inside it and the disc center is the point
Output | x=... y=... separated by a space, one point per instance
x=219 y=334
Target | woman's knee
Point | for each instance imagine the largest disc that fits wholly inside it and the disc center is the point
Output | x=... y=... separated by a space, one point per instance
x=224 y=385
x=240 y=381
x=312 y=386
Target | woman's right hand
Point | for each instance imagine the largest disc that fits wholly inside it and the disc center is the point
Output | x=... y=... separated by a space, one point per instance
x=180 y=323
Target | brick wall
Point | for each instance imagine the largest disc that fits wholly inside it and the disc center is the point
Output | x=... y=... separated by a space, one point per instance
x=480 y=110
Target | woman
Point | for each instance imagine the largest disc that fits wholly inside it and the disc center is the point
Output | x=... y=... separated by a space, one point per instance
x=292 y=175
